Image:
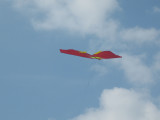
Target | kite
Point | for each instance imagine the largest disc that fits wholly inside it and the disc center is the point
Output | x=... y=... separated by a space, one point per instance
x=99 y=55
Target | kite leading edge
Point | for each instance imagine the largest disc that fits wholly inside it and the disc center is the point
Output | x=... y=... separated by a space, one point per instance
x=99 y=55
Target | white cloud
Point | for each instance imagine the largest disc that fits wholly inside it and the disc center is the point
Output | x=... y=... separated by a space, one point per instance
x=136 y=70
x=156 y=64
x=156 y=9
x=123 y=39
x=122 y=104
x=140 y=35
x=84 y=16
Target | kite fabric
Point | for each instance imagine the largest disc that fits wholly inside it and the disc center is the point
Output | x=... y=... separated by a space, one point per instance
x=99 y=55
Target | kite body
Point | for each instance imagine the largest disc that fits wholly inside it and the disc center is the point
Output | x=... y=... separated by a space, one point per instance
x=99 y=55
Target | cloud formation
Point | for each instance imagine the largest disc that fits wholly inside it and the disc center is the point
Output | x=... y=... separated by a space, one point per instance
x=140 y=35
x=122 y=104
x=156 y=64
x=84 y=16
x=136 y=70
x=156 y=9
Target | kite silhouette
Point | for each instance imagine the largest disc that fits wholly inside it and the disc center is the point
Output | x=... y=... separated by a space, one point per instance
x=99 y=55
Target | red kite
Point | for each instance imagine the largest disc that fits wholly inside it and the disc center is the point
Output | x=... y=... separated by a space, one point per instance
x=99 y=55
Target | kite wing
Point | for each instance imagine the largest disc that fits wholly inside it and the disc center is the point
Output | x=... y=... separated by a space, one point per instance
x=99 y=55
x=76 y=53
x=105 y=55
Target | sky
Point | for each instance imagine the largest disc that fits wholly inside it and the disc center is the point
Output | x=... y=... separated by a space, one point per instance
x=37 y=82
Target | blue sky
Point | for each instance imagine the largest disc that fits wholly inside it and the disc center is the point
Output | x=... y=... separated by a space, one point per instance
x=37 y=82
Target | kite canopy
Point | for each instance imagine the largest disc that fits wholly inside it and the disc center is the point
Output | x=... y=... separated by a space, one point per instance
x=99 y=55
